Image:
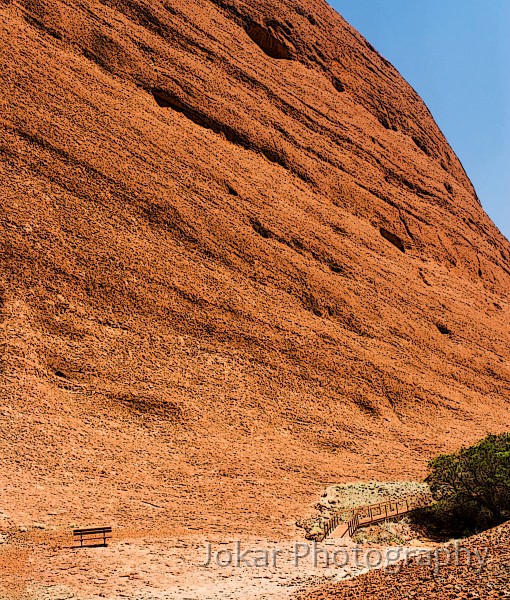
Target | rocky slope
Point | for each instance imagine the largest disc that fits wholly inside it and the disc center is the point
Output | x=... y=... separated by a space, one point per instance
x=236 y=252
x=458 y=575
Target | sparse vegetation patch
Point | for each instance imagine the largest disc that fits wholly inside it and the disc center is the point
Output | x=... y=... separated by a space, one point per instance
x=471 y=488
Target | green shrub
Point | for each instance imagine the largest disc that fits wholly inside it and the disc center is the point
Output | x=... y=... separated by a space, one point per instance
x=471 y=488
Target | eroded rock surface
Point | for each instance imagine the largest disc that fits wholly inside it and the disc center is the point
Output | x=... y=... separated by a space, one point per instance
x=239 y=262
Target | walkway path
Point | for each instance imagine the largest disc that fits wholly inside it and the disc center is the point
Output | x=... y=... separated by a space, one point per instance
x=373 y=513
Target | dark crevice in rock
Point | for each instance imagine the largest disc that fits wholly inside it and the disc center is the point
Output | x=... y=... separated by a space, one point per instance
x=421 y=145
x=229 y=8
x=297 y=244
x=424 y=279
x=310 y=303
x=336 y=268
x=339 y=230
x=385 y=122
x=170 y=219
x=170 y=8
x=274 y=157
x=365 y=405
x=393 y=239
x=443 y=329
x=397 y=179
x=144 y=47
x=302 y=248
x=142 y=15
x=267 y=41
x=448 y=188
x=167 y=99
x=261 y=230
x=338 y=85
x=98 y=60
x=370 y=47
x=321 y=56
x=31 y=20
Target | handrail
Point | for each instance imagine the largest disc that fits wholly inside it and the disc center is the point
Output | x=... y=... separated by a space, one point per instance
x=373 y=513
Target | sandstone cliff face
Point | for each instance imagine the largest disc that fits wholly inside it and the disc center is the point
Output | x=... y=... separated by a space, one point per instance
x=235 y=250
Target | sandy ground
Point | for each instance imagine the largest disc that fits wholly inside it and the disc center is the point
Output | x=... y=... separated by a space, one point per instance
x=143 y=569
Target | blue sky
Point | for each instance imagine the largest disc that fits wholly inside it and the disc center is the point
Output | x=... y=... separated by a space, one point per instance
x=456 y=55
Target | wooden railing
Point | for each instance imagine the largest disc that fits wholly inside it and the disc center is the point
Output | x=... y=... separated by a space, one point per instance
x=332 y=524
x=374 y=513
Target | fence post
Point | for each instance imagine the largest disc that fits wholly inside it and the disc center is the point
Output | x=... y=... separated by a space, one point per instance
x=369 y=511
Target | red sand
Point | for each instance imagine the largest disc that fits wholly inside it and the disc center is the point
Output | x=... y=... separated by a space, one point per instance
x=454 y=576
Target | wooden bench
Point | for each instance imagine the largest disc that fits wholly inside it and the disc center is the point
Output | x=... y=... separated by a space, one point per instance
x=92 y=534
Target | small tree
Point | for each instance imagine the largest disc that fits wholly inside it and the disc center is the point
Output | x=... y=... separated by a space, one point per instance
x=471 y=486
